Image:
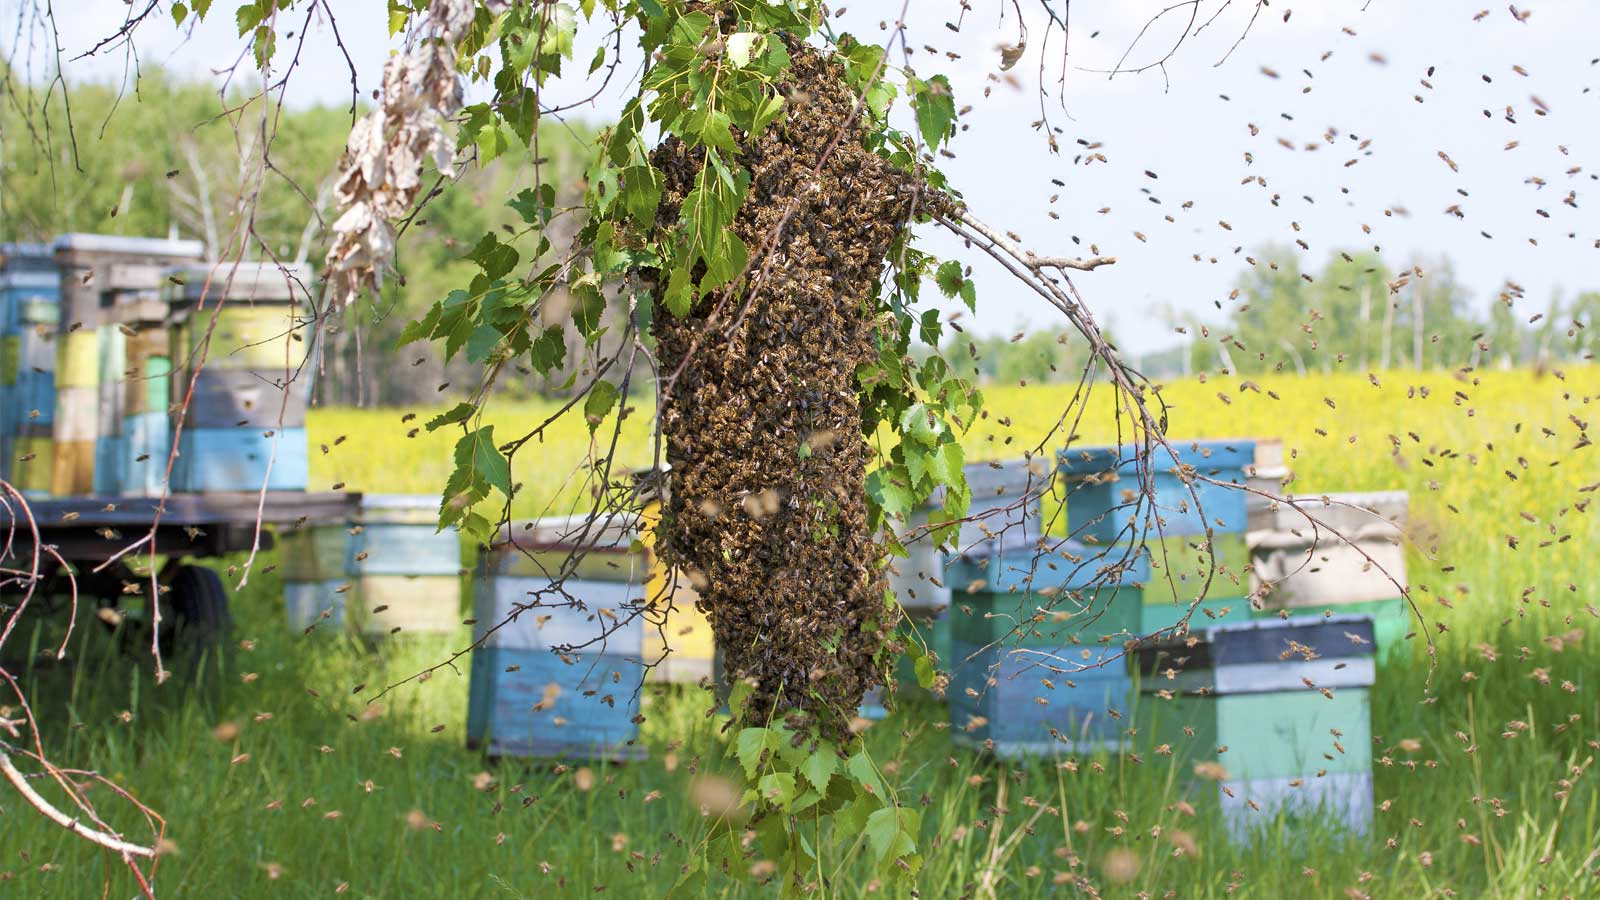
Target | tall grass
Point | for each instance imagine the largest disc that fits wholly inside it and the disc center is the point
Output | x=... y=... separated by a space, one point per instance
x=277 y=778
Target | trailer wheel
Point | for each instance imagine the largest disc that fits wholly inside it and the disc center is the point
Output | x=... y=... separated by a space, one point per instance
x=198 y=606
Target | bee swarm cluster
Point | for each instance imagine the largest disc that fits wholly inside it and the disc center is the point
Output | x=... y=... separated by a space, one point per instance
x=768 y=510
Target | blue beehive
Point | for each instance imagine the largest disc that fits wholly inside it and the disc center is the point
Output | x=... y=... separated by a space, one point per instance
x=1103 y=489
x=147 y=444
x=30 y=297
x=544 y=683
x=224 y=460
x=1038 y=627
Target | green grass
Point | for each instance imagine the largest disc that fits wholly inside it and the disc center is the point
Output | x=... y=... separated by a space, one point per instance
x=1494 y=799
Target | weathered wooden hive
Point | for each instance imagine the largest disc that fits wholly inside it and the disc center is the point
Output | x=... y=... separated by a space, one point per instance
x=241 y=336
x=1350 y=560
x=391 y=570
x=1038 y=629
x=30 y=309
x=1274 y=716
x=109 y=284
x=558 y=668
x=1104 y=507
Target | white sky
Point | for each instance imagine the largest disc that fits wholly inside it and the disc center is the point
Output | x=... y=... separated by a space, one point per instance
x=1191 y=138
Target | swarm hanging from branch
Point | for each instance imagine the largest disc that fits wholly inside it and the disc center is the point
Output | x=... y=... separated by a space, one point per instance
x=762 y=419
x=383 y=159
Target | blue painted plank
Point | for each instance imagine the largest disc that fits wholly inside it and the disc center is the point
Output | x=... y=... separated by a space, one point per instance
x=36 y=391
x=146 y=435
x=1208 y=457
x=545 y=707
x=1106 y=512
x=305 y=601
x=1017 y=563
x=1025 y=708
x=235 y=459
x=108 y=465
x=403 y=550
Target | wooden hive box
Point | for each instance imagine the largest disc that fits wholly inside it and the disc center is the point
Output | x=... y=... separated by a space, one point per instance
x=404 y=570
x=1234 y=707
x=1036 y=636
x=1269 y=473
x=1102 y=490
x=236 y=459
x=33 y=460
x=552 y=680
x=310 y=604
x=146 y=447
x=1297 y=565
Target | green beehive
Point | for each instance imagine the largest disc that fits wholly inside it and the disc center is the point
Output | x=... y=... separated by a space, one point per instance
x=1276 y=713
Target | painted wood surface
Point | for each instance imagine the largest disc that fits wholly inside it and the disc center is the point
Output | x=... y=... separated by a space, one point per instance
x=36 y=392
x=526 y=702
x=402 y=550
x=306 y=601
x=227 y=398
x=1018 y=563
x=71 y=467
x=108 y=465
x=265 y=338
x=78 y=359
x=1252 y=806
x=1100 y=619
x=1317 y=570
x=1102 y=487
x=1158 y=617
x=32 y=464
x=378 y=605
x=546 y=619
x=147 y=444
x=1013 y=705
x=235 y=459
x=1180 y=567
x=1392 y=620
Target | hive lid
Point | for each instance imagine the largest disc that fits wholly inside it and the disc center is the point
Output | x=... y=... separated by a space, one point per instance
x=79 y=242
x=1008 y=478
x=26 y=257
x=612 y=533
x=31 y=280
x=1265 y=642
x=1205 y=456
x=259 y=282
x=1354 y=514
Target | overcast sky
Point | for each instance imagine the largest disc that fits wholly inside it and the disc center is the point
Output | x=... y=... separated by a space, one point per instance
x=1346 y=68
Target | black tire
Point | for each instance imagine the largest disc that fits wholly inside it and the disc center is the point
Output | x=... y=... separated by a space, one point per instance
x=200 y=620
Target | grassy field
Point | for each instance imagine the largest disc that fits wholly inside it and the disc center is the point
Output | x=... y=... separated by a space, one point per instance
x=277 y=778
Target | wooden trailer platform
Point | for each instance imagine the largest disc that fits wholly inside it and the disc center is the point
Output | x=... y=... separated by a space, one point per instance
x=88 y=532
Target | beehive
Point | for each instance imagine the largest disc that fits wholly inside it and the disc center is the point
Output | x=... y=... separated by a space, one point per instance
x=109 y=290
x=30 y=295
x=390 y=570
x=1274 y=716
x=1268 y=474
x=238 y=348
x=1303 y=569
x=1191 y=530
x=550 y=679
x=1038 y=628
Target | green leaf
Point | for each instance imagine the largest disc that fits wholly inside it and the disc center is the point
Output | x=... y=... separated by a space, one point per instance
x=767 y=112
x=599 y=58
x=819 y=767
x=679 y=295
x=920 y=425
x=201 y=7
x=179 y=13
x=892 y=496
x=949 y=278
x=946 y=462
x=749 y=746
x=485 y=458
x=602 y=397
x=923 y=666
x=936 y=110
x=248 y=17
x=534 y=208
x=494 y=258
x=892 y=833
x=778 y=788
x=421 y=329
x=738 y=696
x=482 y=341
x=549 y=350
x=641 y=193
x=866 y=775
x=588 y=306
x=742 y=45
x=461 y=412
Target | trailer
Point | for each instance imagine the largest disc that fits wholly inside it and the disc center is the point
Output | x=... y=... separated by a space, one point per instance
x=92 y=540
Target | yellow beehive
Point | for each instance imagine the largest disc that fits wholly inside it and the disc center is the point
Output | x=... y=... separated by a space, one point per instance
x=260 y=338
x=685 y=630
x=31 y=470
x=78 y=364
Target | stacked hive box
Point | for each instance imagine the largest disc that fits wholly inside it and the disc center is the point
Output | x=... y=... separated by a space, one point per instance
x=1268 y=474
x=549 y=678
x=103 y=277
x=678 y=642
x=1104 y=507
x=392 y=570
x=1351 y=561
x=238 y=342
x=1006 y=501
x=30 y=297
x=1038 y=627
x=1277 y=712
